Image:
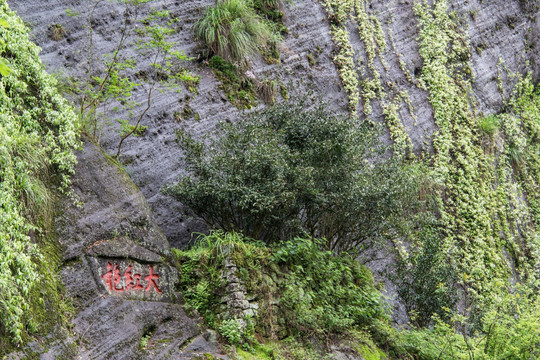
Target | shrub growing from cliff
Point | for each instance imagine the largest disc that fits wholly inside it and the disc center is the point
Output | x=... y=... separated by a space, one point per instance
x=290 y=170
x=37 y=135
x=110 y=83
x=233 y=30
x=425 y=281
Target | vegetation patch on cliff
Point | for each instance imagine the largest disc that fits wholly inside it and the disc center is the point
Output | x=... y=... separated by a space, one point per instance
x=291 y=170
x=481 y=205
x=365 y=81
x=234 y=32
x=300 y=290
x=38 y=132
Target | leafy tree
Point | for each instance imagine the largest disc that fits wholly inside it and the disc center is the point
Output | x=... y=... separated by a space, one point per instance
x=288 y=170
x=109 y=83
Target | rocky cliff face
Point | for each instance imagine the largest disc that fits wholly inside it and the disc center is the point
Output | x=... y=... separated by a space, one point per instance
x=154 y=159
x=118 y=276
x=503 y=36
x=120 y=233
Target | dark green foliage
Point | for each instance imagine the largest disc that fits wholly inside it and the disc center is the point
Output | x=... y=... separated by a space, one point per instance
x=426 y=280
x=318 y=293
x=322 y=293
x=228 y=70
x=201 y=266
x=289 y=170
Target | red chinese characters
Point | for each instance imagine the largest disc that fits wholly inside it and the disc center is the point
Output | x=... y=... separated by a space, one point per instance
x=133 y=281
x=113 y=279
x=152 y=280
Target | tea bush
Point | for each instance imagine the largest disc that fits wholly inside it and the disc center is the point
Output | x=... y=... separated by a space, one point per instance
x=290 y=170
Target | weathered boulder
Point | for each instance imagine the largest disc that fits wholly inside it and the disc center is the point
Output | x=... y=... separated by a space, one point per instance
x=118 y=274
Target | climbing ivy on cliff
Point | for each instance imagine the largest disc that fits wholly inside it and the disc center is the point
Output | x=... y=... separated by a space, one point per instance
x=459 y=161
x=363 y=80
x=485 y=169
x=485 y=214
x=37 y=135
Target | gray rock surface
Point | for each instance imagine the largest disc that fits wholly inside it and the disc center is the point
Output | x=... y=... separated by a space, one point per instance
x=236 y=302
x=116 y=224
x=118 y=275
x=498 y=29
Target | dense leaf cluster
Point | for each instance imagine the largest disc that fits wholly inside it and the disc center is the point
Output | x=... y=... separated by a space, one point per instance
x=289 y=170
x=233 y=30
x=37 y=136
x=317 y=293
x=322 y=293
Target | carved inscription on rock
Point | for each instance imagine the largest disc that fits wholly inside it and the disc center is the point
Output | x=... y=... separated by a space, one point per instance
x=116 y=282
x=134 y=280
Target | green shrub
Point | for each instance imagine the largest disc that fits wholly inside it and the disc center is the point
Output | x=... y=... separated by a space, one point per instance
x=57 y=32
x=233 y=30
x=231 y=330
x=318 y=293
x=510 y=330
x=290 y=170
x=512 y=327
x=322 y=294
x=426 y=280
x=200 y=272
x=238 y=332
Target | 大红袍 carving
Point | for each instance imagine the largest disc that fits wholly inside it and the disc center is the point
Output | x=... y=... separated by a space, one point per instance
x=132 y=282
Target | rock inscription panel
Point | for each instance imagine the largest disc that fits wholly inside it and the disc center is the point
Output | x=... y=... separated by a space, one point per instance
x=129 y=281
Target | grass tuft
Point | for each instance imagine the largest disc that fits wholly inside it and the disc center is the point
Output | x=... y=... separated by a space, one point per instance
x=233 y=30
